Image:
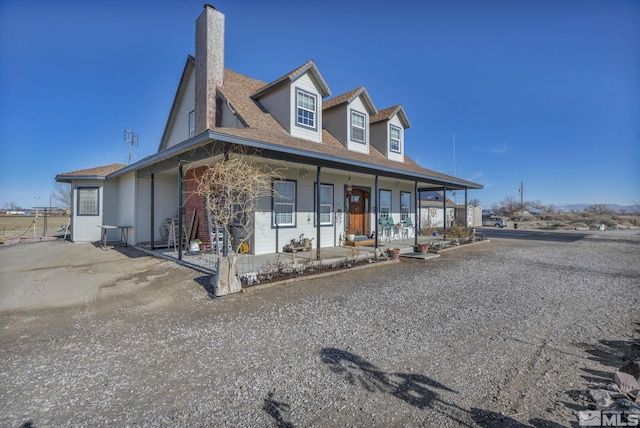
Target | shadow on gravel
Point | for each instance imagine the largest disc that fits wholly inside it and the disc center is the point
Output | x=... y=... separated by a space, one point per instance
x=610 y=353
x=205 y=282
x=418 y=390
x=277 y=410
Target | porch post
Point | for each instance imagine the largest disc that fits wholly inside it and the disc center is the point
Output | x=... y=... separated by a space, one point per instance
x=417 y=214
x=375 y=215
x=318 y=181
x=151 y=222
x=444 y=210
x=466 y=214
x=225 y=235
x=180 y=202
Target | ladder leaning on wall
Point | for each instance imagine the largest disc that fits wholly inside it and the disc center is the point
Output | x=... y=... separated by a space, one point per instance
x=173 y=235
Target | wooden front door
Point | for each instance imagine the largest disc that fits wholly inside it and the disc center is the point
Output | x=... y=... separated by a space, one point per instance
x=359 y=223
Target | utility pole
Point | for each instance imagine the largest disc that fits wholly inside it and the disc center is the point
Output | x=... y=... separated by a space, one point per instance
x=521 y=196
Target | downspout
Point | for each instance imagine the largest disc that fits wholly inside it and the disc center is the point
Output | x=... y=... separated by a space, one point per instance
x=318 y=188
x=180 y=219
x=151 y=222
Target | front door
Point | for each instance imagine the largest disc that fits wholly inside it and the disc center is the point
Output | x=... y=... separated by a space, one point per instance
x=359 y=223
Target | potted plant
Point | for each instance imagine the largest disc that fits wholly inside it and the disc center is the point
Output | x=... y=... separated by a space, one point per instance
x=393 y=253
x=422 y=247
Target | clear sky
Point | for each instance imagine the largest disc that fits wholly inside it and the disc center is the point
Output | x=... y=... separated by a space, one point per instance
x=541 y=92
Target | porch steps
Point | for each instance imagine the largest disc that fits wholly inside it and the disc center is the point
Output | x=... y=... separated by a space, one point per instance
x=420 y=256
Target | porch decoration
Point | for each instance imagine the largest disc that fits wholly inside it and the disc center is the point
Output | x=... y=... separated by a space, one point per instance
x=422 y=247
x=393 y=253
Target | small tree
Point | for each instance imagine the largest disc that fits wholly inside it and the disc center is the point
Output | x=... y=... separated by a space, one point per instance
x=233 y=188
x=62 y=194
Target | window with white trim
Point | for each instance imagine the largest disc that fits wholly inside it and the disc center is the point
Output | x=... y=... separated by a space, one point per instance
x=192 y=123
x=284 y=203
x=326 y=203
x=394 y=138
x=88 y=201
x=405 y=205
x=306 y=109
x=385 y=203
x=358 y=127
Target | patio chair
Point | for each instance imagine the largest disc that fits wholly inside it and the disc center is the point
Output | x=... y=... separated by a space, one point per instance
x=408 y=230
x=384 y=225
x=394 y=229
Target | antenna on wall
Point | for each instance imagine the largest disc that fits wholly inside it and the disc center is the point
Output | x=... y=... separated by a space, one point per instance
x=132 y=139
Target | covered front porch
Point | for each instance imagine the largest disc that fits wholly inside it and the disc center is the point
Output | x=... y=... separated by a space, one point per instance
x=251 y=267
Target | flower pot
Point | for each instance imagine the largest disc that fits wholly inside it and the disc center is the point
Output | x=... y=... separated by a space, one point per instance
x=393 y=253
x=422 y=248
x=351 y=237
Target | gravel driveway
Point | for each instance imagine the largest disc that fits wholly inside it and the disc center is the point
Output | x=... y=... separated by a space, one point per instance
x=500 y=334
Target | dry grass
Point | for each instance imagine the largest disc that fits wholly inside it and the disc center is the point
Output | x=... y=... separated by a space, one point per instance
x=16 y=226
x=577 y=220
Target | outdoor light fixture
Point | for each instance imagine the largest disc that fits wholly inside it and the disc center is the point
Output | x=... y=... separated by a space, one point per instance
x=303 y=172
x=349 y=187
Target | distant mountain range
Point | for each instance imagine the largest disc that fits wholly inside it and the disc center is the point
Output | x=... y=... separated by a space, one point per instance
x=581 y=207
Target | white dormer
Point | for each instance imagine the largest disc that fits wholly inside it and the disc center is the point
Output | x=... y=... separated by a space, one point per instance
x=295 y=101
x=347 y=116
x=387 y=132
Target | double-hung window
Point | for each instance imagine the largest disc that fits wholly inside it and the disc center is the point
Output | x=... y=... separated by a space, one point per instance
x=357 y=127
x=88 y=201
x=192 y=123
x=394 y=138
x=306 y=109
x=385 y=203
x=284 y=203
x=326 y=203
x=405 y=205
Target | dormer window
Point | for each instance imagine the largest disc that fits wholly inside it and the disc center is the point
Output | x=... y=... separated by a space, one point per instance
x=306 y=109
x=192 y=123
x=357 y=127
x=394 y=138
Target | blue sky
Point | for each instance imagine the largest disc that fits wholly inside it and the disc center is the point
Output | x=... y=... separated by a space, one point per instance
x=541 y=92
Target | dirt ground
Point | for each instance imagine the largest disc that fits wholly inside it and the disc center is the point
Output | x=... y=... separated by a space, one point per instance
x=504 y=334
x=58 y=274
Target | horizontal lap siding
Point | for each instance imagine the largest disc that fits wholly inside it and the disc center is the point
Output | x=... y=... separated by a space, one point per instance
x=277 y=103
x=335 y=121
x=165 y=206
x=85 y=228
x=127 y=205
x=180 y=126
x=266 y=237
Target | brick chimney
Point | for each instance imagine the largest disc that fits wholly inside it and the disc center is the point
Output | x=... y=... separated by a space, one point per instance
x=209 y=66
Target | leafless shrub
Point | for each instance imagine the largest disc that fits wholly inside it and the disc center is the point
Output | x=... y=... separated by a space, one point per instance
x=270 y=269
x=234 y=186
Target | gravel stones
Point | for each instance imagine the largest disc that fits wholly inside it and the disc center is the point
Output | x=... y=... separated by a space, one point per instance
x=499 y=333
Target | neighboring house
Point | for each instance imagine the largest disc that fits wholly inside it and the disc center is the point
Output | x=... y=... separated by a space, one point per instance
x=356 y=152
x=433 y=208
